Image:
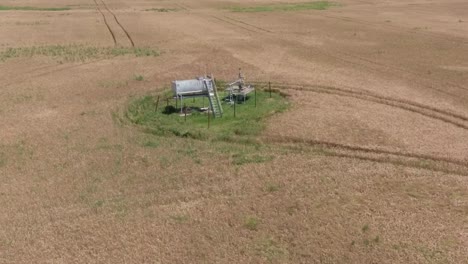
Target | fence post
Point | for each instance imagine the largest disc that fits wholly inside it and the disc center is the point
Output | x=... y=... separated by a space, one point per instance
x=157 y=104
x=255 y=97
x=235 y=102
x=269 y=87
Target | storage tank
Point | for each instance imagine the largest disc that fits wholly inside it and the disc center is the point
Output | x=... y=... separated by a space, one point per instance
x=192 y=87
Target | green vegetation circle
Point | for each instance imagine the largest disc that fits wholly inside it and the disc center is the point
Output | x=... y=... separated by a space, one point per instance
x=164 y=117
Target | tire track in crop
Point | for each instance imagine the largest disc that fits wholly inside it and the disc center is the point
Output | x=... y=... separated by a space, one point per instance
x=55 y=69
x=360 y=61
x=118 y=23
x=350 y=58
x=250 y=25
x=387 y=69
x=400 y=70
x=383 y=68
x=106 y=23
x=461 y=172
x=367 y=93
x=386 y=156
x=233 y=23
x=455 y=119
x=182 y=7
x=398 y=29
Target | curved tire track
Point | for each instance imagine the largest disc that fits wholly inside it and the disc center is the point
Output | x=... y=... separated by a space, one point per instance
x=455 y=119
x=356 y=150
x=369 y=94
x=334 y=145
x=362 y=62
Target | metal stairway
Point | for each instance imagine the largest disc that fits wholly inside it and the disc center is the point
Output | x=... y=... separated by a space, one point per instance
x=215 y=103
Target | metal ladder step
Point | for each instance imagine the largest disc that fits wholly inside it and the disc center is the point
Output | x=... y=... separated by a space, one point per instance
x=214 y=100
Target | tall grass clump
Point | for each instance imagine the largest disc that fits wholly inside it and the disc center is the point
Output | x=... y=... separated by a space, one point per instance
x=74 y=52
x=162 y=10
x=31 y=8
x=316 y=5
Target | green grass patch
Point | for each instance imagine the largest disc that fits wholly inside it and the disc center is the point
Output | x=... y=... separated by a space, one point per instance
x=180 y=218
x=74 y=53
x=162 y=10
x=3 y=159
x=271 y=187
x=365 y=228
x=138 y=78
x=31 y=8
x=251 y=223
x=166 y=120
x=272 y=250
x=316 y=5
x=151 y=143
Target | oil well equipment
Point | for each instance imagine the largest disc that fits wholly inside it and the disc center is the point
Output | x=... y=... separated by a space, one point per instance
x=204 y=86
x=238 y=90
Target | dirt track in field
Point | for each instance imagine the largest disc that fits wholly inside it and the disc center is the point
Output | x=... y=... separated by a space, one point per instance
x=369 y=165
